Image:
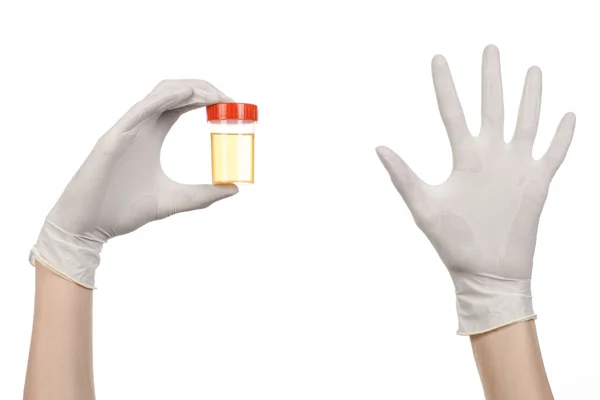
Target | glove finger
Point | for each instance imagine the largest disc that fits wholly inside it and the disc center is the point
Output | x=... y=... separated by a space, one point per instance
x=204 y=93
x=492 y=101
x=560 y=144
x=448 y=102
x=169 y=118
x=154 y=104
x=529 y=110
x=408 y=184
x=180 y=95
x=208 y=92
x=195 y=197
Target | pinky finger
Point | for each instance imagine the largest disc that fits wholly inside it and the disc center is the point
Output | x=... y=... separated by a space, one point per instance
x=559 y=146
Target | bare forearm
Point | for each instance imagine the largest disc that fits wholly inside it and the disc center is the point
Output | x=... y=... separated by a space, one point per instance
x=510 y=363
x=60 y=357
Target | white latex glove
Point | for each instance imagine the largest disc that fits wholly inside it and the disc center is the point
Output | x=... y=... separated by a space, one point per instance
x=121 y=185
x=483 y=219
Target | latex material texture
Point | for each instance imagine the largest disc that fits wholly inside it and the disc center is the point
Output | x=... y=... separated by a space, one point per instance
x=121 y=185
x=483 y=219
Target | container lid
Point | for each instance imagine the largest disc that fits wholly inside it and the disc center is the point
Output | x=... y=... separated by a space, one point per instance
x=240 y=111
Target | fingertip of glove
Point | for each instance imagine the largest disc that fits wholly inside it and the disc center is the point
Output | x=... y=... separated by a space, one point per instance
x=225 y=190
x=226 y=99
x=438 y=61
x=570 y=118
x=383 y=152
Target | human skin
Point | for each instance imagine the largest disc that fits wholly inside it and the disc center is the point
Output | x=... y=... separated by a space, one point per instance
x=60 y=363
x=508 y=359
x=510 y=363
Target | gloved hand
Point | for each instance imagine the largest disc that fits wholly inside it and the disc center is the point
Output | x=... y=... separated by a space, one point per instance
x=483 y=219
x=121 y=185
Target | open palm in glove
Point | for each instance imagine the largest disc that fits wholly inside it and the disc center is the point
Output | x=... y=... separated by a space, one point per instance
x=483 y=219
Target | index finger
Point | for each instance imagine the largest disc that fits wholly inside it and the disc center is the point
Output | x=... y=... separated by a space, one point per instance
x=205 y=93
x=170 y=95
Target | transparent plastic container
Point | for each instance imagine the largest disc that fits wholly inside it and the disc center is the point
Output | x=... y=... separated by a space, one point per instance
x=232 y=128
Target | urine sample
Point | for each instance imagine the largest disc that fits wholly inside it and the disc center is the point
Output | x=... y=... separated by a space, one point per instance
x=232 y=127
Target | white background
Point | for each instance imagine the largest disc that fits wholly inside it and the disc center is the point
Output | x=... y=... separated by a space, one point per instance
x=314 y=283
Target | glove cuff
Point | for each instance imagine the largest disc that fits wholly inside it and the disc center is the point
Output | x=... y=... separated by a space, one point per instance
x=74 y=257
x=485 y=303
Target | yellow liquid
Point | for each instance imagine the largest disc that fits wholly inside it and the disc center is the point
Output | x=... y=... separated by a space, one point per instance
x=232 y=158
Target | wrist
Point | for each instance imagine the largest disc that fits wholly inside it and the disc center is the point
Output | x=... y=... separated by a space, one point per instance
x=74 y=257
x=510 y=363
x=485 y=303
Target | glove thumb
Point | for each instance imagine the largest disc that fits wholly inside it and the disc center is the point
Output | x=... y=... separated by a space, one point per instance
x=195 y=197
x=408 y=184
